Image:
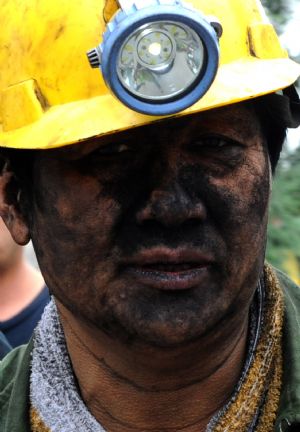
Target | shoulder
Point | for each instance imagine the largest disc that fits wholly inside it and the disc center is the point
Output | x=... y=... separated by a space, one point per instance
x=285 y=280
x=290 y=290
x=14 y=389
x=291 y=329
x=291 y=294
x=10 y=365
x=289 y=409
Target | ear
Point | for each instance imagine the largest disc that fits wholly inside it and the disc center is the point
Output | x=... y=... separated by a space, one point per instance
x=10 y=208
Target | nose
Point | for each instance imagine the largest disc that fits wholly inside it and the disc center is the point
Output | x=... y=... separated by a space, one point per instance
x=171 y=206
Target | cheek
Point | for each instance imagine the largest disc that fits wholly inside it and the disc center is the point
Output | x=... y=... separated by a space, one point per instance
x=248 y=193
x=244 y=224
x=237 y=204
x=237 y=210
x=75 y=226
x=75 y=203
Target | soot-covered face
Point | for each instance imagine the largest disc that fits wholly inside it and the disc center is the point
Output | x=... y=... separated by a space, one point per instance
x=156 y=234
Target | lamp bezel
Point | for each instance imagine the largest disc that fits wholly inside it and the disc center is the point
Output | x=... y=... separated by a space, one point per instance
x=125 y=24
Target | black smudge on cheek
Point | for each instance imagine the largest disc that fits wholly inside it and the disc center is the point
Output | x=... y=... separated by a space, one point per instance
x=236 y=198
x=131 y=180
x=50 y=247
x=261 y=190
x=62 y=243
x=220 y=203
x=231 y=205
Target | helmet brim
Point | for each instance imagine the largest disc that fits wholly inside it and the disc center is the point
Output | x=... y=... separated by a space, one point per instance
x=78 y=121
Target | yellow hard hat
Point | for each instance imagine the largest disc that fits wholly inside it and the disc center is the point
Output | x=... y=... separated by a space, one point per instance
x=51 y=97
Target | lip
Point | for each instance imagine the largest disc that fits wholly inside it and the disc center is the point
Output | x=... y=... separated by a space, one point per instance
x=169 y=269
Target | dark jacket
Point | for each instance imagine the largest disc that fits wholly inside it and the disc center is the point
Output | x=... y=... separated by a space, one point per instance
x=4 y=346
x=15 y=371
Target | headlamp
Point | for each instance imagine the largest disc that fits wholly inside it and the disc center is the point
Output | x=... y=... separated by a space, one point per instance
x=158 y=56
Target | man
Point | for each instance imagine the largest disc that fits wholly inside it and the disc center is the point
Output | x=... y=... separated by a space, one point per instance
x=22 y=291
x=150 y=232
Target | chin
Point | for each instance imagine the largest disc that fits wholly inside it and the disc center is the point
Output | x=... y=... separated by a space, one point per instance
x=160 y=325
x=168 y=335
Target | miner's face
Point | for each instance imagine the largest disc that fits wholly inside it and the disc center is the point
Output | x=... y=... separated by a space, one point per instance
x=156 y=234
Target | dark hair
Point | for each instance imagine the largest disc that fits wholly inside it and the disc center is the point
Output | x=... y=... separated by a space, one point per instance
x=277 y=112
x=274 y=130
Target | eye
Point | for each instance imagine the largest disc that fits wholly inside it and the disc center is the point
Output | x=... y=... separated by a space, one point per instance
x=217 y=152
x=215 y=143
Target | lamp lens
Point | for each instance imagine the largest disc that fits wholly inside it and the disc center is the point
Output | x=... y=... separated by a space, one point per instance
x=161 y=60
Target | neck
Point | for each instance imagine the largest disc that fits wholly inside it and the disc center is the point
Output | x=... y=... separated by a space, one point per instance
x=139 y=388
x=19 y=285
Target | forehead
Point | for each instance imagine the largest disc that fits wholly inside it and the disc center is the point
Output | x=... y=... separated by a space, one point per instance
x=238 y=120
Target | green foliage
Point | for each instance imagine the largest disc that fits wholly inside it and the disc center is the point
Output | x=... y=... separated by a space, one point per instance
x=284 y=224
x=283 y=248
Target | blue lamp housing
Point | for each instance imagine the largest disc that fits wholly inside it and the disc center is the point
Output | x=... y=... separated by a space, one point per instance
x=158 y=59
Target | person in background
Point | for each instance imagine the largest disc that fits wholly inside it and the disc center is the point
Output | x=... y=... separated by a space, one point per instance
x=23 y=293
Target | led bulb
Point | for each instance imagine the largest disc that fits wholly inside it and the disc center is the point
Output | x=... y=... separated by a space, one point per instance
x=160 y=60
x=155 y=48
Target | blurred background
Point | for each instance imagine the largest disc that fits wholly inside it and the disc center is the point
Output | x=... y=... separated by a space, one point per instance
x=284 y=227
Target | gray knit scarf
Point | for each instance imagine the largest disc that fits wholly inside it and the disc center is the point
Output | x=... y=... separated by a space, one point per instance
x=53 y=390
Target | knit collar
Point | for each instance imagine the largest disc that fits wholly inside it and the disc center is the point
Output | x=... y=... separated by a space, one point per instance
x=254 y=407
x=53 y=391
x=56 y=404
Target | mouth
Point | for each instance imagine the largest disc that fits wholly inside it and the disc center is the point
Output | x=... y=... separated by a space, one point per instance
x=169 y=269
